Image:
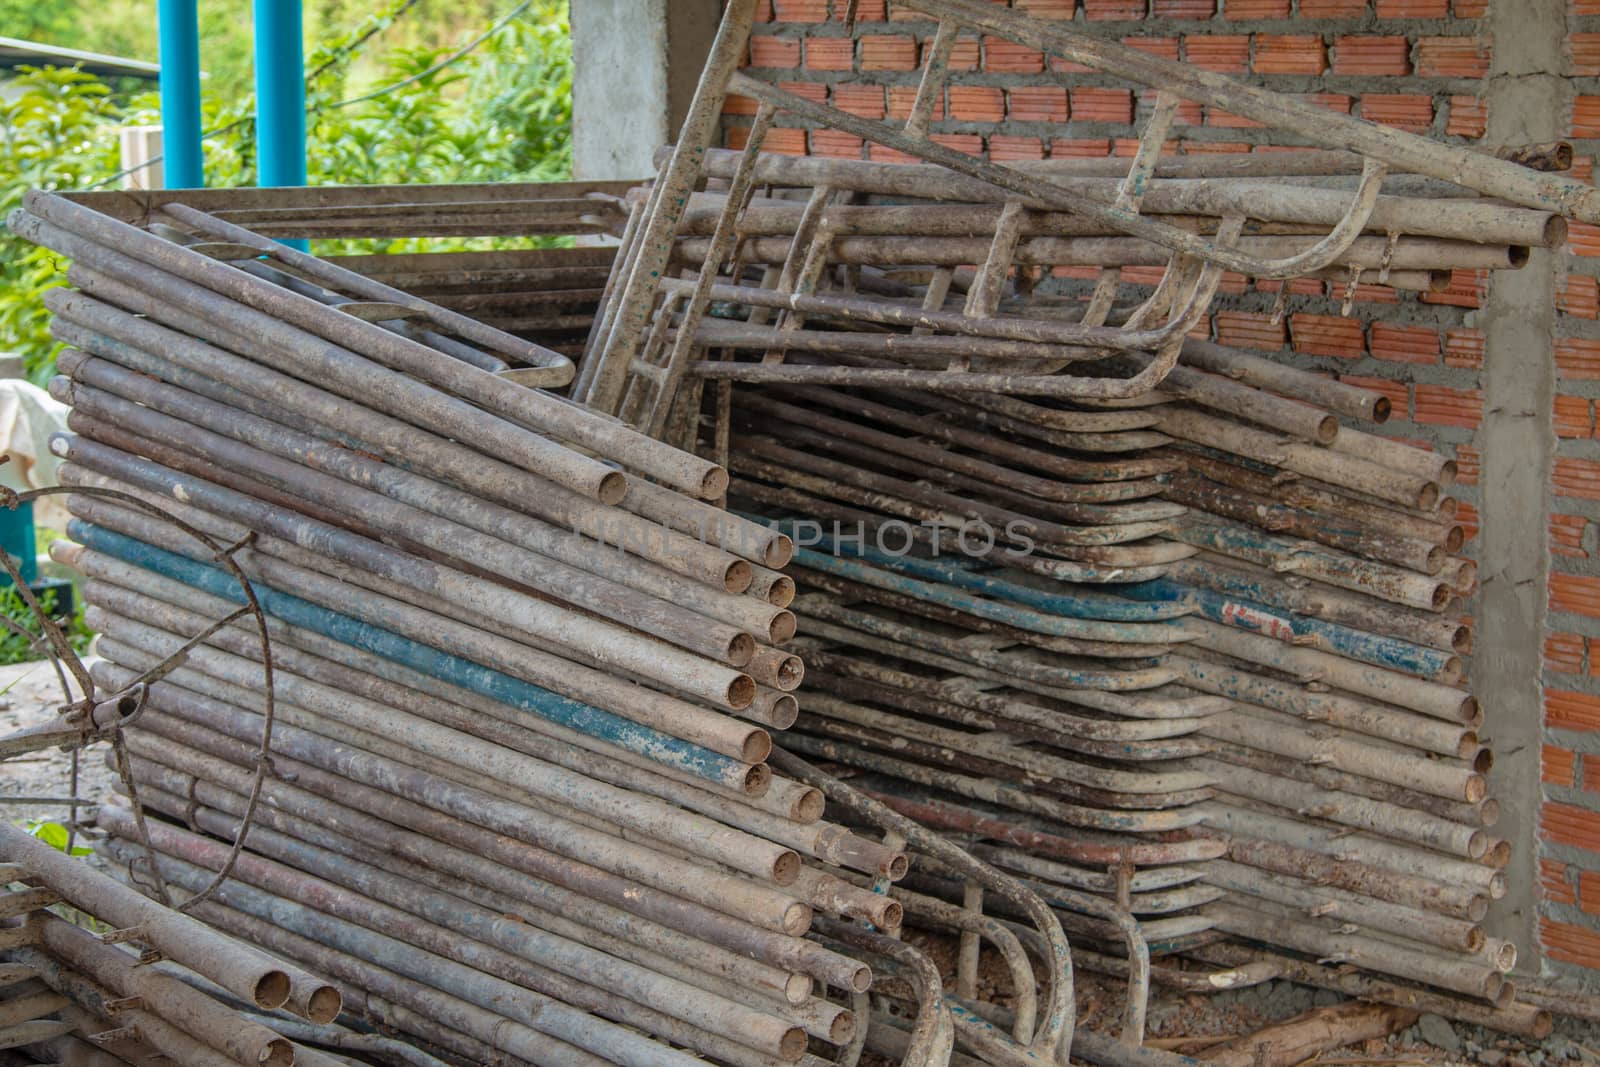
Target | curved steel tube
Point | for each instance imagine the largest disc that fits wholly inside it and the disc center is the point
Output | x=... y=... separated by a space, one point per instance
x=1053 y=1037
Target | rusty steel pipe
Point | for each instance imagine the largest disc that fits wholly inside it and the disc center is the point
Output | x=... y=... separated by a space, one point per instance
x=243 y=971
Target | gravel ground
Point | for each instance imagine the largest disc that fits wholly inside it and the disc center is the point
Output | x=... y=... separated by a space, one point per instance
x=29 y=696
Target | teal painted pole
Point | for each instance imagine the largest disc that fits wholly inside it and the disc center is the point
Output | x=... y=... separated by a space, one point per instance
x=178 y=37
x=280 y=96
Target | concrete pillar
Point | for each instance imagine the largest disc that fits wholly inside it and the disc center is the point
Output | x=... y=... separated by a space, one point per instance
x=635 y=64
x=1527 y=98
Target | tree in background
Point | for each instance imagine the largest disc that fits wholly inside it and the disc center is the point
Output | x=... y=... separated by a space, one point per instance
x=428 y=112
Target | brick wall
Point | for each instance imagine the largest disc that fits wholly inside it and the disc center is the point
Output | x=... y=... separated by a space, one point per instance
x=1413 y=64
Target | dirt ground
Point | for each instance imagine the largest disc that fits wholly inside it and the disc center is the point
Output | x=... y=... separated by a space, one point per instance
x=30 y=694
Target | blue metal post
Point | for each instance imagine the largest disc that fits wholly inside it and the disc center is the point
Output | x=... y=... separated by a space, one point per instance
x=280 y=96
x=178 y=33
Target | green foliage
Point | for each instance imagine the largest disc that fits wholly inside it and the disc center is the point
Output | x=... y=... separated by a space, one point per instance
x=56 y=836
x=54 y=134
x=15 y=648
x=502 y=112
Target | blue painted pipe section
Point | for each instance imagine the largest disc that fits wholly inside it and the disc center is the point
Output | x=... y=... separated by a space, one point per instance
x=178 y=37
x=280 y=96
x=963 y=576
x=1023 y=618
x=595 y=722
x=1244 y=614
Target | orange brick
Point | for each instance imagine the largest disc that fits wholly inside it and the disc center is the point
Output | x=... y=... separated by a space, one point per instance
x=1001 y=56
x=1102 y=105
x=1566 y=943
x=830 y=53
x=1589 y=897
x=1049 y=9
x=1471 y=9
x=1576 y=478
x=1569 y=824
x=1578 y=295
x=1218 y=148
x=1558 y=887
x=966 y=56
x=1583 y=238
x=976 y=103
x=1413 y=9
x=1566 y=535
x=1366 y=293
x=1112 y=10
x=1586 y=116
x=1183 y=9
x=1297 y=286
x=1558 y=766
x=1589 y=774
x=1468 y=117
x=801 y=10
x=1228 y=54
x=1465 y=290
x=901 y=98
x=1563 y=708
x=1332 y=9
x=1189 y=113
x=1563 y=653
x=1229 y=121
x=733 y=104
x=1404 y=344
x=857 y=99
x=970 y=143
x=1289 y=54
x=1327 y=335
x=883 y=154
x=1440 y=405
x=1371 y=55
x=774 y=53
x=1452 y=57
x=1247 y=329
x=763 y=10
x=1577 y=358
x=1080 y=148
x=1007 y=148
x=1579 y=595
x=1467 y=463
x=835 y=145
x=1340 y=102
x=1463 y=348
x=1406 y=111
x=813 y=91
x=888 y=51
x=1573 y=417
x=1467 y=517
x=866 y=11
x=1255 y=9
x=1397 y=393
x=1585 y=49
x=1037 y=103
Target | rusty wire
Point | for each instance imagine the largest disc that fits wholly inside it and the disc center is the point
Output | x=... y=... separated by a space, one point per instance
x=80 y=712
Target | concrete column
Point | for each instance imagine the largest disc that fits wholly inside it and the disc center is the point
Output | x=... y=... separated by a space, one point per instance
x=635 y=64
x=1528 y=101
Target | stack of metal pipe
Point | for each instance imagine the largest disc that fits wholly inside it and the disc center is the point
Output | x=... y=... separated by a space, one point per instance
x=74 y=998
x=522 y=669
x=1179 y=721
x=1139 y=618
